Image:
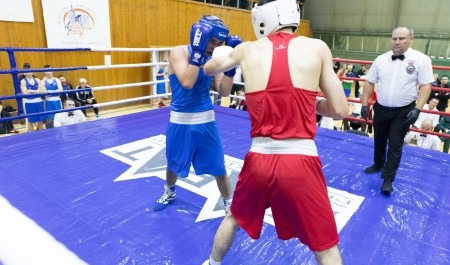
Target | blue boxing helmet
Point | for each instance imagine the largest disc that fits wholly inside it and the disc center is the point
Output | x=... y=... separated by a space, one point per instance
x=220 y=30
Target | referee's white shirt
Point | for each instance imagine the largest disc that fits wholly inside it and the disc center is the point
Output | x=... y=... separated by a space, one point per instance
x=63 y=118
x=397 y=81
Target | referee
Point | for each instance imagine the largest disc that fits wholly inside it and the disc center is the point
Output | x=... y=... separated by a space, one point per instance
x=399 y=74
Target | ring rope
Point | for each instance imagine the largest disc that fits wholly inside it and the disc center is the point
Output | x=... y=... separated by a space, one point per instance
x=446 y=68
x=116 y=66
x=14 y=71
x=411 y=129
x=8 y=49
x=129 y=85
x=153 y=64
x=44 y=94
x=117 y=102
x=230 y=96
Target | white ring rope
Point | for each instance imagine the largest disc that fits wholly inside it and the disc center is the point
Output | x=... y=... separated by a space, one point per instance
x=129 y=100
x=129 y=85
x=231 y=96
x=154 y=64
x=132 y=49
x=102 y=67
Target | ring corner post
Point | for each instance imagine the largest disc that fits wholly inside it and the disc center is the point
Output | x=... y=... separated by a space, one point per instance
x=15 y=79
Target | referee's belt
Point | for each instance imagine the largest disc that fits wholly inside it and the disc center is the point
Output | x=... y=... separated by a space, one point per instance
x=396 y=108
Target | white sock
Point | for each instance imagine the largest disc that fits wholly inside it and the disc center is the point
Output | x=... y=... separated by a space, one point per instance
x=228 y=200
x=212 y=262
x=172 y=188
x=227 y=204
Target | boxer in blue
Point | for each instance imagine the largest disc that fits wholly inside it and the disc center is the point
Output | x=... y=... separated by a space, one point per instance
x=192 y=136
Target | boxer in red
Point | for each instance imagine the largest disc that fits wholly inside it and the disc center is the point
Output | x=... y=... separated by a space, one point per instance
x=283 y=74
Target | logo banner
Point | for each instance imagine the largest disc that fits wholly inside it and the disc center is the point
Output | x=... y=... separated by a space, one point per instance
x=77 y=24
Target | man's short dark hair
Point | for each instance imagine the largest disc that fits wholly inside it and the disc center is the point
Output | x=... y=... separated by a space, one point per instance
x=433 y=98
x=26 y=65
x=263 y=2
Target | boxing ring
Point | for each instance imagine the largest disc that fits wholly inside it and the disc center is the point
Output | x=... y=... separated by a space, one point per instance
x=83 y=194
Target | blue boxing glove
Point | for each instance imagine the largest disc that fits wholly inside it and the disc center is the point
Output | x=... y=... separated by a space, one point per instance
x=232 y=41
x=200 y=35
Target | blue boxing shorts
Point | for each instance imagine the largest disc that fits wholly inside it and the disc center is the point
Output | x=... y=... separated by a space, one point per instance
x=193 y=138
x=52 y=103
x=35 y=106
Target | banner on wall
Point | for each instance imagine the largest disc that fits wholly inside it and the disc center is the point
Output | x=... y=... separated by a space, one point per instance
x=77 y=23
x=17 y=10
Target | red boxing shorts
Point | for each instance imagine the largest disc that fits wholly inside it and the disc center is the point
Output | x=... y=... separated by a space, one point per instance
x=285 y=177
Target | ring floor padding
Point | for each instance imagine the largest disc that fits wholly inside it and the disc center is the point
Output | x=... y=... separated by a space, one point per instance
x=91 y=188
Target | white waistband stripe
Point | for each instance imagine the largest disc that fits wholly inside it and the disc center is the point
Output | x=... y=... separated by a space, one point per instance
x=33 y=100
x=267 y=145
x=53 y=98
x=192 y=118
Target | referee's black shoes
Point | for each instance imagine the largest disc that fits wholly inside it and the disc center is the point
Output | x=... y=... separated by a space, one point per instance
x=372 y=169
x=387 y=188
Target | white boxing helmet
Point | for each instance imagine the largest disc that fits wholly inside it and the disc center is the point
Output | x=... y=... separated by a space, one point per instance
x=270 y=17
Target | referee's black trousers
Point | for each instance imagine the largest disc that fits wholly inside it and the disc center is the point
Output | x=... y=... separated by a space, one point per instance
x=389 y=132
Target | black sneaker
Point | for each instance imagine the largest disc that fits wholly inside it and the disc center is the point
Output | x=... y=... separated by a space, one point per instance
x=387 y=187
x=372 y=169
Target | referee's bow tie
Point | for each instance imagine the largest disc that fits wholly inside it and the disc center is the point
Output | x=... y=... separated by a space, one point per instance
x=395 y=57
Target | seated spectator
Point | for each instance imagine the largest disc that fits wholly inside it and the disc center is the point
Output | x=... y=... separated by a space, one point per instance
x=425 y=141
x=351 y=124
x=436 y=82
x=67 y=87
x=444 y=126
x=70 y=117
x=347 y=84
x=238 y=78
x=324 y=121
x=238 y=89
x=361 y=72
x=327 y=123
x=432 y=103
x=86 y=97
x=51 y=84
x=356 y=113
x=336 y=66
x=341 y=71
x=217 y=98
x=443 y=96
x=6 y=127
x=32 y=85
x=239 y=104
